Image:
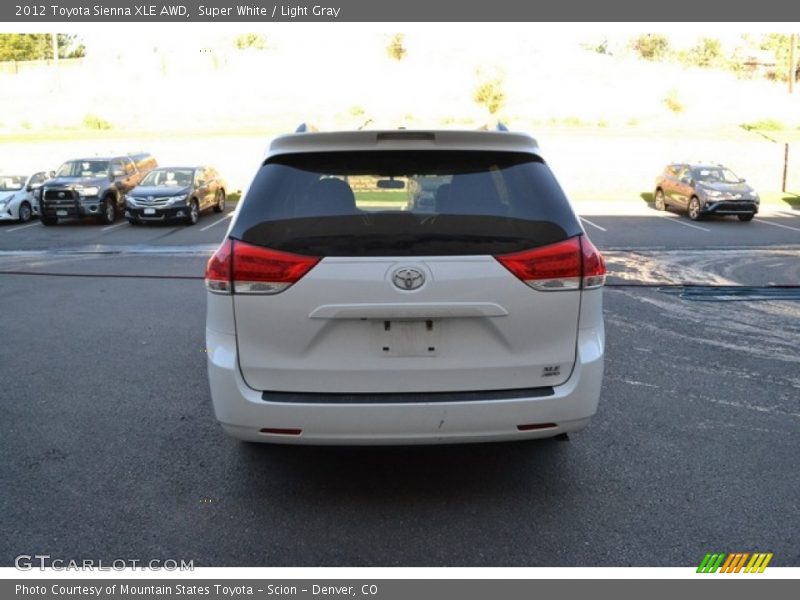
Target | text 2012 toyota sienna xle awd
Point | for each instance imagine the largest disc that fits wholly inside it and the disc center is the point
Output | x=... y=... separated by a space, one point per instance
x=340 y=314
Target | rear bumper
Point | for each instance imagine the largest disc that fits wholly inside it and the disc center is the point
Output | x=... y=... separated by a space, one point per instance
x=243 y=412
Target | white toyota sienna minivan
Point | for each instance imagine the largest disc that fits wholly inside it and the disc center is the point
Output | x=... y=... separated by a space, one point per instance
x=404 y=287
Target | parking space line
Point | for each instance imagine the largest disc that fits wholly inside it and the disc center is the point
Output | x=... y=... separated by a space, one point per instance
x=217 y=222
x=777 y=225
x=22 y=227
x=587 y=221
x=680 y=221
x=115 y=225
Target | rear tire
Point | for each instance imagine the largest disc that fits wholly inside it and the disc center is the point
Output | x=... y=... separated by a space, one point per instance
x=24 y=213
x=109 y=211
x=695 y=213
x=660 y=203
x=746 y=218
x=48 y=221
x=219 y=206
x=194 y=213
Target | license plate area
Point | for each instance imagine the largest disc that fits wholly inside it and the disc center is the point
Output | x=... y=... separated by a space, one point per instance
x=149 y=211
x=61 y=213
x=392 y=338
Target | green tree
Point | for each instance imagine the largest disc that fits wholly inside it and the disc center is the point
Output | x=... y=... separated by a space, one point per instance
x=706 y=53
x=651 y=46
x=251 y=40
x=396 y=48
x=36 y=46
x=780 y=45
x=490 y=93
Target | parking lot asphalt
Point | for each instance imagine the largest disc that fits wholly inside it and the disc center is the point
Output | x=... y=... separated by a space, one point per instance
x=609 y=227
x=111 y=449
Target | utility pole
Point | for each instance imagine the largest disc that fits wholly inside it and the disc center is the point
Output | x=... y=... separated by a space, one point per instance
x=56 y=70
x=785 y=166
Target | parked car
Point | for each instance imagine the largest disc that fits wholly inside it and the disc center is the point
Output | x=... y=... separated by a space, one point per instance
x=17 y=202
x=358 y=323
x=175 y=193
x=93 y=187
x=705 y=189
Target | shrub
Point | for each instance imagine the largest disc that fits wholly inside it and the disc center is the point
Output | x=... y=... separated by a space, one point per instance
x=764 y=125
x=92 y=121
x=673 y=101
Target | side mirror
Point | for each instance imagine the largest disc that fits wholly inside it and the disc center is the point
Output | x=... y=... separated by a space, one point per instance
x=117 y=173
x=742 y=180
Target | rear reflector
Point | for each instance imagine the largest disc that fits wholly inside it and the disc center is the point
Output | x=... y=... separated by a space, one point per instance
x=275 y=431
x=569 y=265
x=535 y=426
x=237 y=267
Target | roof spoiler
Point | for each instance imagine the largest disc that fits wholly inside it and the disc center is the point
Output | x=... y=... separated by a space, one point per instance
x=308 y=128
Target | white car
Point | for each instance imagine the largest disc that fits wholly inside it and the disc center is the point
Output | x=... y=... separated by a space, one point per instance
x=338 y=313
x=17 y=202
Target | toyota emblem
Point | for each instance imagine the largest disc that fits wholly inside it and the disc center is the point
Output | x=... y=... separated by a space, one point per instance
x=61 y=194
x=408 y=278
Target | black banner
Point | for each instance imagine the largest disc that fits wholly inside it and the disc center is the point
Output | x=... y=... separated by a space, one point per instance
x=394 y=589
x=209 y=11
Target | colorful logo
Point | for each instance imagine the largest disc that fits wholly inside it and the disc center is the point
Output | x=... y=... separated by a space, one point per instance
x=735 y=562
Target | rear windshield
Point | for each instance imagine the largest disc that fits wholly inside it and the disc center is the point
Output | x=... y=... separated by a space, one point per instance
x=402 y=203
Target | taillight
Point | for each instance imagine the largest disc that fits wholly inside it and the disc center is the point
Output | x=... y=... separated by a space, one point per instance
x=569 y=265
x=594 y=267
x=218 y=269
x=240 y=268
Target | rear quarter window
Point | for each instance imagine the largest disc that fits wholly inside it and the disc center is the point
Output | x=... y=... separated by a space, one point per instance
x=393 y=203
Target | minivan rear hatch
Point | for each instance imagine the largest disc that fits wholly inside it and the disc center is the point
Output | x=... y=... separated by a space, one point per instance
x=345 y=281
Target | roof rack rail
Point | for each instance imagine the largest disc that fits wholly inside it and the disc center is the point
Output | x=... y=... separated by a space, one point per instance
x=499 y=126
x=305 y=128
